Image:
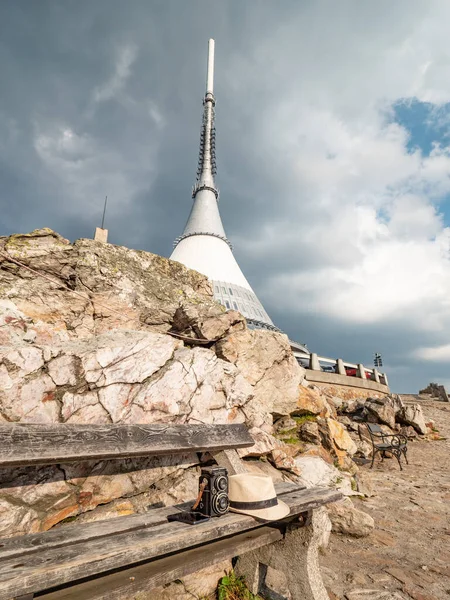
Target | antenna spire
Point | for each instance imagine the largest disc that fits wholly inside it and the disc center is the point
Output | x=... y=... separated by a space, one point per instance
x=210 y=69
x=207 y=153
x=104 y=211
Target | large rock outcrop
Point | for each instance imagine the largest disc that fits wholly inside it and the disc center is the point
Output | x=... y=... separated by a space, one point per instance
x=95 y=333
x=86 y=288
x=436 y=391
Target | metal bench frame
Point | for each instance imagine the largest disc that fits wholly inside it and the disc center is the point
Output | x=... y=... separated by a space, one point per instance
x=383 y=443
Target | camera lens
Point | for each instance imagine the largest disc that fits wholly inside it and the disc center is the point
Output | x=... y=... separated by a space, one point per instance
x=221 y=483
x=220 y=503
x=223 y=502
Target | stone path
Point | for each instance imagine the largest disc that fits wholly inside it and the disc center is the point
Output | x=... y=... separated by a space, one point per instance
x=408 y=554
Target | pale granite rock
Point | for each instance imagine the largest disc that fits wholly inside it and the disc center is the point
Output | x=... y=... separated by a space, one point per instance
x=340 y=436
x=347 y=519
x=316 y=472
x=90 y=343
x=413 y=415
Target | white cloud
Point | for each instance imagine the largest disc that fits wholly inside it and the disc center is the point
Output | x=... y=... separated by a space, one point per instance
x=156 y=115
x=86 y=169
x=436 y=354
x=126 y=56
x=358 y=215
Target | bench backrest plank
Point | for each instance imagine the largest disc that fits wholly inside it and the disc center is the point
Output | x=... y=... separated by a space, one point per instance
x=42 y=444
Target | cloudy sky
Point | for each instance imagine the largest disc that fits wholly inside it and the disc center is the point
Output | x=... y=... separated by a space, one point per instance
x=333 y=151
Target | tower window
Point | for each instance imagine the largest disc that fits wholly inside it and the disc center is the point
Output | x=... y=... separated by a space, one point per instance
x=227 y=304
x=224 y=291
x=235 y=305
x=231 y=291
x=216 y=287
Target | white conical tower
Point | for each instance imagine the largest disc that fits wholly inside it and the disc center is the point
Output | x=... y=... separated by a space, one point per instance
x=204 y=245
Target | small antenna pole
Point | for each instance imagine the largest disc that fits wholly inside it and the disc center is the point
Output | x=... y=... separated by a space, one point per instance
x=104 y=211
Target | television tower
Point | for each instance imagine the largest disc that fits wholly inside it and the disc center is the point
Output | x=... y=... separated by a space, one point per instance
x=204 y=246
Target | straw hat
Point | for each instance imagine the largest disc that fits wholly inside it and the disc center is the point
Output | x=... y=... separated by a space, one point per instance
x=255 y=495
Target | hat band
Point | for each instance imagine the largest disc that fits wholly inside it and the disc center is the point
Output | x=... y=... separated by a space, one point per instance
x=254 y=505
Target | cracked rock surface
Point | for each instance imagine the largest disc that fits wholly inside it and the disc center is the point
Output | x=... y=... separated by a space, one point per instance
x=84 y=339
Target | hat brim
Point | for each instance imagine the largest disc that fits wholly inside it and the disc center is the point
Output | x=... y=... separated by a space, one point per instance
x=274 y=513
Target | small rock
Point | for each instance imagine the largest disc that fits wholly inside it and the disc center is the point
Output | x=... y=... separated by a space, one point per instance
x=347 y=519
x=281 y=460
x=363 y=448
x=284 y=424
x=352 y=406
x=336 y=402
x=346 y=485
x=335 y=436
x=413 y=415
x=408 y=431
x=344 y=420
x=348 y=423
x=382 y=410
x=316 y=472
x=311 y=401
x=309 y=432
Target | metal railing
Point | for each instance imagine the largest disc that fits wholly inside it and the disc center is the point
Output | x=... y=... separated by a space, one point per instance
x=313 y=362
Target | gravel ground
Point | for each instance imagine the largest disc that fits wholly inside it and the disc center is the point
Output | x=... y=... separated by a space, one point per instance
x=408 y=554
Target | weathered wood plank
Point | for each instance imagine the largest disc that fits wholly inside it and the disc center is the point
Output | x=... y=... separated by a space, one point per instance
x=38 y=444
x=130 y=582
x=40 y=570
x=231 y=460
x=71 y=534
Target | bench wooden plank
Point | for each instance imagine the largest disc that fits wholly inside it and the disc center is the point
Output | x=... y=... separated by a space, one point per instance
x=129 y=583
x=21 y=545
x=40 y=569
x=41 y=444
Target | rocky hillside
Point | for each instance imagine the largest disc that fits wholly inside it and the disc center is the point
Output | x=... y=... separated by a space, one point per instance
x=95 y=333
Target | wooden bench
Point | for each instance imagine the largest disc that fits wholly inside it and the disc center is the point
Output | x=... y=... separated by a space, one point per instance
x=123 y=557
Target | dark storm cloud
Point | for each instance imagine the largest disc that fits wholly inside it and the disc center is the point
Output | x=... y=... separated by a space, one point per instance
x=104 y=98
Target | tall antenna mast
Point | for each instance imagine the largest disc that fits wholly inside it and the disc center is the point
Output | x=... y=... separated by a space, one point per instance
x=203 y=245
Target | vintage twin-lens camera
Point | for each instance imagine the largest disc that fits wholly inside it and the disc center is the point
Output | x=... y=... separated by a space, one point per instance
x=213 y=486
x=212 y=499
